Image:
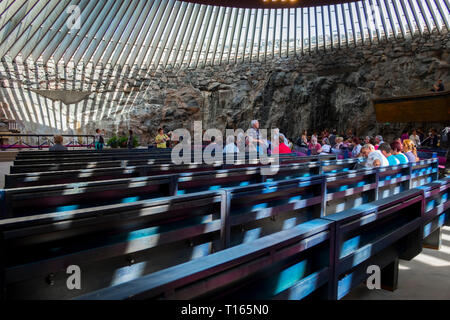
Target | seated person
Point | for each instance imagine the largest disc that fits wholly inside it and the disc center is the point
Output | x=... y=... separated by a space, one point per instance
x=374 y=157
x=300 y=146
x=378 y=141
x=438 y=86
x=366 y=150
x=314 y=146
x=386 y=150
x=282 y=147
x=397 y=149
x=58 y=144
x=230 y=147
x=326 y=147
x=336 y=149
x=410 y=150
x=356 y=147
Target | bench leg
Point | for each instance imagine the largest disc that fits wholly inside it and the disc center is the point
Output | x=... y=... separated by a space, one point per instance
x=389 y=276
x=434 y=240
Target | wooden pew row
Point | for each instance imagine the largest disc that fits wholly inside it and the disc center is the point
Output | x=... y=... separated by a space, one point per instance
x=436 y=211
x=114 y=244
x=121 y=156
x=90 y=158
x=24 y=155
x=376 y=234
x=235 y=216
x=351 y=188
x=41 y=199
x=258 y=270
x=82 y=175
x=137 y=162
x=291 y=264
x=37 y=154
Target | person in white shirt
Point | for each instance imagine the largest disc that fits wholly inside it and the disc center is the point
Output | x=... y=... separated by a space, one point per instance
x=414 y=137
x=374 y=157
x=230 y=146
x=256 y=139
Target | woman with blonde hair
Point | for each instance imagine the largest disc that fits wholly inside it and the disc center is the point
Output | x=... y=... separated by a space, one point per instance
x=410 y=151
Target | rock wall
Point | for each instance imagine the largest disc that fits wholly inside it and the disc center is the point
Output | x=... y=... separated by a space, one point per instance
x=330 y=89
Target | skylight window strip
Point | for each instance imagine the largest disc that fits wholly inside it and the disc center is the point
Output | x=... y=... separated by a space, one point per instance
x=424 y=16
x=188 y=43
x=194 y=40
x=391 y=18
x=416 y=17
x=173 y=37
x=383 y=20
x=166 y=35
x=444 y=16
x=408 y=19
x=217 y=33
x=238 y=40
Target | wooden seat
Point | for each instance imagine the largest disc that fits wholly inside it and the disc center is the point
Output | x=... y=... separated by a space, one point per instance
x=436 y=211
x=377 y=234
x=224 y=274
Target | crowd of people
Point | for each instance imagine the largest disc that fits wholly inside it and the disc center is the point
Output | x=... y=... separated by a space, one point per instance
x=374 y=149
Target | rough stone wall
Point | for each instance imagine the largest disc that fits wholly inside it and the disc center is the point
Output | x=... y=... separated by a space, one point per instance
x=330 y=89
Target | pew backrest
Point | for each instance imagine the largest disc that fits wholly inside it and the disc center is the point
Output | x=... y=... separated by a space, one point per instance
x=234 y=265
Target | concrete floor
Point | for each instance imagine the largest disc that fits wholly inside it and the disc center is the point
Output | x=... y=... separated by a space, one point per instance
x=426 y=277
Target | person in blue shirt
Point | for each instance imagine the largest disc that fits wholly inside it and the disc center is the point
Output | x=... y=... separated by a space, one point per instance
x=397 y=149
x=386 y=150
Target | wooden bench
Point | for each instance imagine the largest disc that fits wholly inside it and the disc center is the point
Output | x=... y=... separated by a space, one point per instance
x=424 y=172
x=82 y=175
x=110 y=243
x=290 y=264
x=118 y=242
x=307 y=260
x=63 y=158
x=436 y=211
x=38 y=154
x=40 y=199
x=379 y=234
x=195 y=225
x=135 y=162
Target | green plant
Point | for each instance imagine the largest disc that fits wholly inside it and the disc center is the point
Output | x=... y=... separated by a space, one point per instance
x=123 y=141
x=113 y=142
x=135 y=142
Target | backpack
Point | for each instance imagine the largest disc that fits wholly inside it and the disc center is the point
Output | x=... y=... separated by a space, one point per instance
x=101 y=140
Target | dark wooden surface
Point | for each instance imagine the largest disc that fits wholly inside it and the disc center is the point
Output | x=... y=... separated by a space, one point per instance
x=433 y=107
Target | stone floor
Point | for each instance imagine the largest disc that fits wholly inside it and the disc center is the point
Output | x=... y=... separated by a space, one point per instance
x=427 y=276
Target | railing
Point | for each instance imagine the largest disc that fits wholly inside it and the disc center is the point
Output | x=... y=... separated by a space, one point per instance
x=43 y=141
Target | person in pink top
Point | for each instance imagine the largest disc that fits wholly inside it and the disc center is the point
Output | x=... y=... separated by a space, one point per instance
x=404 y=135
x=314 y=146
